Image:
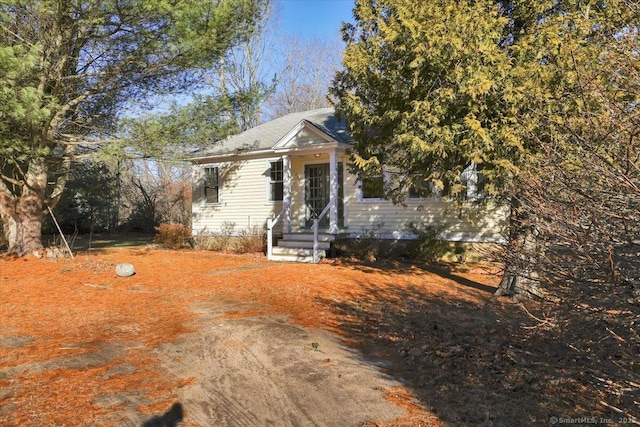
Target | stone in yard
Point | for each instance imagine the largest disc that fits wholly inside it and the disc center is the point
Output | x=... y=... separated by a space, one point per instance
x=125 y=269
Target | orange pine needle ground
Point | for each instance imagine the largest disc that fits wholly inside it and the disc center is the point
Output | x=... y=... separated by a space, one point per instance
x=56 y=312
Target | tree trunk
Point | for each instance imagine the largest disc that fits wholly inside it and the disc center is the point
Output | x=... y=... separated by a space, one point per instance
x=22 y=217
x=520 y=278
x=519 y=284
x=24 y=236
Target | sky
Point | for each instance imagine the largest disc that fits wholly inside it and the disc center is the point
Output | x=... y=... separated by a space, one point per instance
x=310 y=19
x=322 y=18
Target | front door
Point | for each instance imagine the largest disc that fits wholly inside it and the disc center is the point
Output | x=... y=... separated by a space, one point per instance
x=317 y=188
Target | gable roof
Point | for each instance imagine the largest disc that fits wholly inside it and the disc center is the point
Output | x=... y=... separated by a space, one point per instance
x=267 y=135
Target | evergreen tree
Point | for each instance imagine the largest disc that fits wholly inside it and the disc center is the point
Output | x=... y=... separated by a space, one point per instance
x=67 y=69
x=89 y=202
x=424 y=87
x=430 y=88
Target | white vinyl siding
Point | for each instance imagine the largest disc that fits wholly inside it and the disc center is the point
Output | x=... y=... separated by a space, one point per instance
x=458 y=222
x=242 y=202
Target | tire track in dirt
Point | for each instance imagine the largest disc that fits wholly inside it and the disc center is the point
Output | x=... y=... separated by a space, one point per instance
x=264 y=371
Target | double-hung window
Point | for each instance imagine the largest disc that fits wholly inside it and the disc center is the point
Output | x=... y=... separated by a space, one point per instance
x=372 y=187
x=276 y=181
x=471 y=179
x=212 y=184
x=421 y=188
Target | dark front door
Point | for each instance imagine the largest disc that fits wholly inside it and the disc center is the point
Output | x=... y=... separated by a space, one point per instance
x=317 y=189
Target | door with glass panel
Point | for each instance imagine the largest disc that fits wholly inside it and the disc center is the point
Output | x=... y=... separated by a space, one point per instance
x=317 y=193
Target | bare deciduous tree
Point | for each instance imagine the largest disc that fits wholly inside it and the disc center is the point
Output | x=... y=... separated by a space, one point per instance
x=305 y=72
x=154 y=192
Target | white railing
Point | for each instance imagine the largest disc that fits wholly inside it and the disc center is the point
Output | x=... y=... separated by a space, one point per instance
x=270 y=224
x=316 y=222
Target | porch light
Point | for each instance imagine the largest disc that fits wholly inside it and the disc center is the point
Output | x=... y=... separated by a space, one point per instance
x=317 y=155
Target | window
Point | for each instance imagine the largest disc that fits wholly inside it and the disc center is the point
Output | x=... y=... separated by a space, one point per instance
x=373 y=187
x=276 y=181
x=424 y=188
x=473 y=179
x=211 y=185
x=421 y=188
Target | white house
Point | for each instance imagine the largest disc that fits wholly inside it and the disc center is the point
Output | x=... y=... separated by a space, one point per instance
x=291 y=173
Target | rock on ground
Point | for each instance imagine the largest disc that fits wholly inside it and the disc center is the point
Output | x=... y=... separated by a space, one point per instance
x=125 y=269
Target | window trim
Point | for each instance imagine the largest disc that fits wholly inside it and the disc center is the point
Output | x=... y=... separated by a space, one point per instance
x=469 y=172
x=216 y=166
x=268 y=192
x=363 y=199
x=475 y=192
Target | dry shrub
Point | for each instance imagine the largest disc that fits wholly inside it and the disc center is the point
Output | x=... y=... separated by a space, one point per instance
x=250 y=241
x=216 y=241
x=367 y=247
x=206 y=243
x=172 y=236
x=428 y=247
x=227 y=240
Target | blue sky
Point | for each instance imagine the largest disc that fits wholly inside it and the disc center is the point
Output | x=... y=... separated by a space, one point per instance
x=309 y=19
x=322 y=18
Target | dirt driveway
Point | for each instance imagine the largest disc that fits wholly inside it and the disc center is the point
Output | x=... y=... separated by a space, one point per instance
x=209 y=339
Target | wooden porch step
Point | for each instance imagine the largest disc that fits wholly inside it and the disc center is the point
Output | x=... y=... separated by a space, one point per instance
x=292 y=258
x=284 y=250
x=298 y=247
x=303 y=236
x=303 y=244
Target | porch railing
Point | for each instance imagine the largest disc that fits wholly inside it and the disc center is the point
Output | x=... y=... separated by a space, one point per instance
x=270 y=224
x=316 y=224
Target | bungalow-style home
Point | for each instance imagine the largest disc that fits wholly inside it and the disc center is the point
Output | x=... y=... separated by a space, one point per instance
x=291 y=177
